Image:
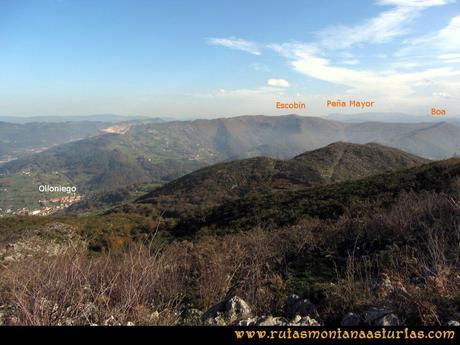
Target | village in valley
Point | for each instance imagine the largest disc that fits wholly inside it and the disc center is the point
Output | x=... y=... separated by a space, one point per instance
x=47 y=207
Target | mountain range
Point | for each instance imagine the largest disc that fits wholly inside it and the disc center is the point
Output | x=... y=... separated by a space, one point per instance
x=390 y=117
x=146 y=152
x=17 y=140
x=110 y=118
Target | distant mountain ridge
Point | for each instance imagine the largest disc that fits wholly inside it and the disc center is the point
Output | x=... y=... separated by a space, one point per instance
x=110 y=118
x=289 y=135
x=161 y=152
x=390 y=118
x=19 y=139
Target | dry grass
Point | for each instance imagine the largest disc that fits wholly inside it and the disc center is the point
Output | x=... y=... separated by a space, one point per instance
x=412 y=265
x=405 y=257
x=80 y=289
x=149 y=285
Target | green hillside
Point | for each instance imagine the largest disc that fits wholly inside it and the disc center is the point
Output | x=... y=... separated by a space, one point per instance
x=228 y=181
x=344 y=161
x=324 y=202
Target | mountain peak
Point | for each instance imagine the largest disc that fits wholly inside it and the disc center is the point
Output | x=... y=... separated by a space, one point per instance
x=341 y=160
x=222 y=182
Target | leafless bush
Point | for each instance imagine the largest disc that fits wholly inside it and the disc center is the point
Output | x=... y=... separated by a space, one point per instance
x=405 y=256
x=79 y=289
x=150 y=285
x=250 y=264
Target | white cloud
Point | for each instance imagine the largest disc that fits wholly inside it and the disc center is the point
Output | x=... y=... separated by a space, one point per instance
x=289 y=50
x=278 y=83
x=405 y=77
x=380 y=29
x=441 y=94
x=404 y=65
x=448 y=57
x=261 y=92
x=444 y=42
x=414 y=3
x=236 y=43
x=361 y=80
x=350 y=62
x=410 y=81
x=447 y=38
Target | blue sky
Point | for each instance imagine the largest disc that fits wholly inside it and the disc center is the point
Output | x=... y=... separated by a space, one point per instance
x=226 y=58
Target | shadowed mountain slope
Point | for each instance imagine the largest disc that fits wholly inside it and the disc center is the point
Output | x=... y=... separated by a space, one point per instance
x=325 y=202
x=222 y=182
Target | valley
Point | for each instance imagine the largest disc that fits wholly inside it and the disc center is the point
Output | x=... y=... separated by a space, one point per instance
x=19 y=140
x=152 y=152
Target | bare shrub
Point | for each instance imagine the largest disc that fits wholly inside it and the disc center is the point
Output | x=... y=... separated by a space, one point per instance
x=250 y=264
x=151 y=285
x=74 y=288
x=405 y=257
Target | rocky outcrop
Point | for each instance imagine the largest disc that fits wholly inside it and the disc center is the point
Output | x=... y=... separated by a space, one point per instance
x=388 y=320
x=303 y=321
x=51 y=240
x=453 y=323
x=235 y=311
x=192 y=317
x=279 y=321
x=300 y=306
x=264 y=321
x=372 y=317
x=381 y=317
x=227 y=312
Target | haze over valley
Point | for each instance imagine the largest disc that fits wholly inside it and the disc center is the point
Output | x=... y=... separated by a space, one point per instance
x=114 y=156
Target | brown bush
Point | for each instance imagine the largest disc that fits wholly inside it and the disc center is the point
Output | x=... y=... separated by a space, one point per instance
x=79 y=289
x=405 y=256
x=249 y=264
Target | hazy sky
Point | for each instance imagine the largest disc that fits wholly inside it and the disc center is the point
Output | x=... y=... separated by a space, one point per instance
x=223 y=58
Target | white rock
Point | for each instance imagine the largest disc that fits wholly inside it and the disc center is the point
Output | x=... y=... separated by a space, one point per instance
x=304 y=321
x=387 y=320
x=227 y=312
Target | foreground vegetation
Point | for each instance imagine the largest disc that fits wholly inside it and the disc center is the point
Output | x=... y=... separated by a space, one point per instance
x=389 y=241
x=405 y=257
